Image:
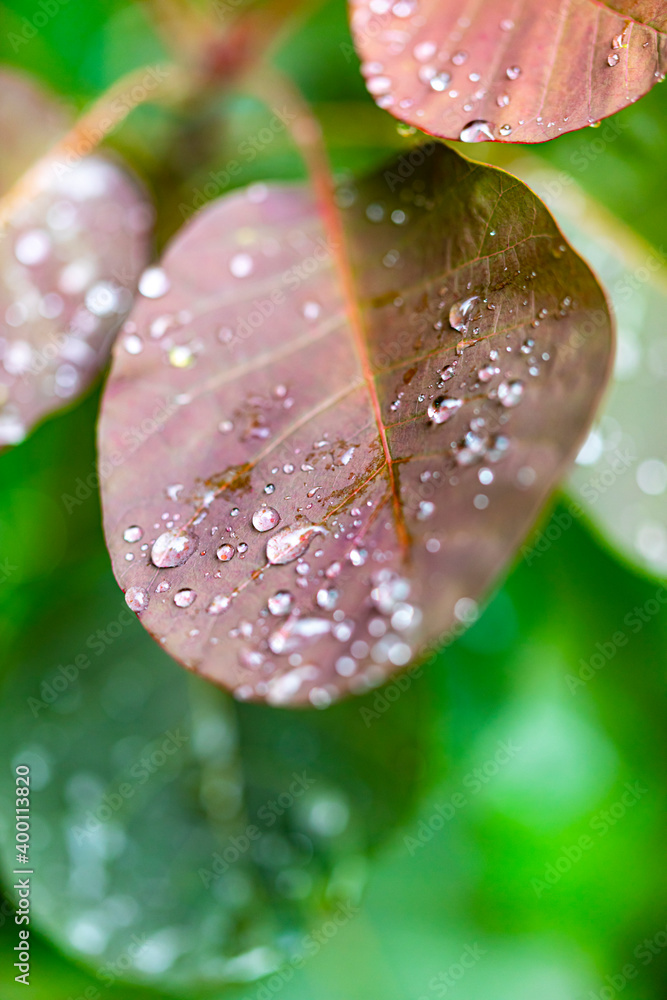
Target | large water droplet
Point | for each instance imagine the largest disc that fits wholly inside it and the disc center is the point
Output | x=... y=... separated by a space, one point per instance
x=133 y=534
x=265 y=518
x=464 y=312
x=225 y=552
x=173 y=548
x=477 y=131
x=513 y=72
x=184 y=598
x=290 y=543
x=442 y=409
x=136 y=599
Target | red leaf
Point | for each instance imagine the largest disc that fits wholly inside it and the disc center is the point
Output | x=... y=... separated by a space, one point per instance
x=69 y=261
x=508 y=71
x=322 y=500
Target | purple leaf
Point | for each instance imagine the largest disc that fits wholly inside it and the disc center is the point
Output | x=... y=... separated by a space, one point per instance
x=515 y=73
x=70 y=257
x=302 y=494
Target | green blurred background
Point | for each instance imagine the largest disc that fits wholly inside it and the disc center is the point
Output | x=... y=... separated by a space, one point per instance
x=495 y=830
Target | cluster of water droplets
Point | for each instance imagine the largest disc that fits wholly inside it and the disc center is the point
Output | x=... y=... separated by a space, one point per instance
x=67 y=270
x=442 y=68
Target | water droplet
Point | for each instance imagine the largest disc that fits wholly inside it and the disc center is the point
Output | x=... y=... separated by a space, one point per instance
x=32 y=247
x=265 y=518
x=311 y=310
x=442 y=409
x=280 y=603
x=241 y=265
x=463 y=313
x=327 y=598
x=613 y=58
x=424 y=51
x=426 y=509
x=133 y=344
x=466 y=610
x=269 y=488
x=133 y=534
x=225 y=426
x=219 y=604
x=510 y=393
x=526 y=476
x=486 y=374
x=440 y=81
x=505 y=129
x=225 y=552
x=242 y=548
x=502 y=100
x=290 y=543
x=173 y=548
x=136 y=599
x=477 y=131
x=459 y=58
x=181 y=356
x=102 y=299
x=513 y=72
x=154 y=283
x=184 y=598
x=378 y=85
x=358 y=556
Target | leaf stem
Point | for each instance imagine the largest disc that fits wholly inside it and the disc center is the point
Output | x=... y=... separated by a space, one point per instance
x=306 y=132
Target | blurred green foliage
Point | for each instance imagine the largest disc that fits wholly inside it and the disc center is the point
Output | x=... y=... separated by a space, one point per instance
x=534 y=859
